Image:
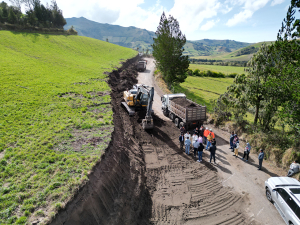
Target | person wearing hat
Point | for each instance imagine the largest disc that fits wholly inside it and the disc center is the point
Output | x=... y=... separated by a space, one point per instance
x=260 y=158
x=205 y=134
x=212 y=133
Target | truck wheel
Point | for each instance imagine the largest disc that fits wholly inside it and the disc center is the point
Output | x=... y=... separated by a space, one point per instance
x=171 y=116
x=176 y=121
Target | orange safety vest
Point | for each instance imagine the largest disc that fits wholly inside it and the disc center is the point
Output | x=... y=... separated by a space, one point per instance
x=205 y=133
x=213 y=134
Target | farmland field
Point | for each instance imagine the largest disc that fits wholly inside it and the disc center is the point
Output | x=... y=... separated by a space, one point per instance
x=215 y=68
x=204 y=89
x=53 y=123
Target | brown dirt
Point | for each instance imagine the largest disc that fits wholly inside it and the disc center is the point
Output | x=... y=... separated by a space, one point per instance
x=183 y=102
x=144 y=178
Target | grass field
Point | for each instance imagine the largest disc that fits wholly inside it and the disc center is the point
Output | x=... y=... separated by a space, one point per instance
x=215 y=68
x=204 y=89
x=53 y=126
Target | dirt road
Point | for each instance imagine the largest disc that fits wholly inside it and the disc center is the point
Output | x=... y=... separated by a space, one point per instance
x=144 y=178
x=184 y=191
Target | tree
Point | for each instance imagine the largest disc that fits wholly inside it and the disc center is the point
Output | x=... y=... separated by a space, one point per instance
x=12 y=18
x=288 y=48
x=168 y=51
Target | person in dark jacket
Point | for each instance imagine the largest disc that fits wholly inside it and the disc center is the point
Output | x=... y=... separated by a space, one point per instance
x=231 y=140
x=182 y=130
x=213 y=142
x=212 y=150
x=201 y=130
x=196 y=131
x=181 y=140
x=200 y=152
x=260 y=158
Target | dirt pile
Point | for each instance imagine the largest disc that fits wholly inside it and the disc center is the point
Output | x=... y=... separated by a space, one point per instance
x=184 y=102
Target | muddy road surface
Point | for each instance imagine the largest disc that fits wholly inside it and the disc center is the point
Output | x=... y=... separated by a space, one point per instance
x=144 y=178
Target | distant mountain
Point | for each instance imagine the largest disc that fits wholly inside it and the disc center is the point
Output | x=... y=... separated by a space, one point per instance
x=133 y=37
x=130 y=37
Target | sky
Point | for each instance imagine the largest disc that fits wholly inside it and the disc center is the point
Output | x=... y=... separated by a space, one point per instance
x=240 y=20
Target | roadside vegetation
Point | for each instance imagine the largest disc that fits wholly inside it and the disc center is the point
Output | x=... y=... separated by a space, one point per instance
x=55 y=119
x=270 y=92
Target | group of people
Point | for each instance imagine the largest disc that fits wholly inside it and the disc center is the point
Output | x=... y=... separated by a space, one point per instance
x=199 y=138
x=234 y=146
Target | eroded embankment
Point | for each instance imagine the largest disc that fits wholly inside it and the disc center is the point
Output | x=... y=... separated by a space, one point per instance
x=116 y=192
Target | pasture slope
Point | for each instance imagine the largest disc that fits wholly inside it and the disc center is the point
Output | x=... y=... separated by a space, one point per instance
x=55 y=119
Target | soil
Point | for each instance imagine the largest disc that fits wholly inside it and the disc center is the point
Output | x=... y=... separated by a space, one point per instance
x=183 y=102
x=144 y=177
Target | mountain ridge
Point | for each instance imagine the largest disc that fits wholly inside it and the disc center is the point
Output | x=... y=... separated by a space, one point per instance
x=141 y=39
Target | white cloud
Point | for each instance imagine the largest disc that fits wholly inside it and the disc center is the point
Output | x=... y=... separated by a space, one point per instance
x=249 y=8
x=190 y=14
x=209 y=24
x=277 y=2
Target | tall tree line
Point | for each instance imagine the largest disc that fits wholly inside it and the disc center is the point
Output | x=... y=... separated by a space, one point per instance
x=36 y=14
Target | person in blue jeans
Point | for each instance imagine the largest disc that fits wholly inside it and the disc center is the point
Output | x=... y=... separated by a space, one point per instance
x=200 y=152
x=187 y=144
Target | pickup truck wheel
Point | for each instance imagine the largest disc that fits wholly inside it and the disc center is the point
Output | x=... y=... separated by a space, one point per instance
x=269 y=196
x=176 y=121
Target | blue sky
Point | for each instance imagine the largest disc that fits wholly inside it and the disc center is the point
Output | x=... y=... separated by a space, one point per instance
x=240 y=20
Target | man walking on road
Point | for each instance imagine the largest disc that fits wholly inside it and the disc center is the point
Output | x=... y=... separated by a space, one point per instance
x=181 y=140
x=212 y=150
x=200 y=152
x=260 y=158
x=187 y=145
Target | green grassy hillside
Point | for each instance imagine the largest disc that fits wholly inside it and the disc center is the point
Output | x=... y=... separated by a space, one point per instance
x=204 y=89
x=212 y=48
x=53 y=127
x=241 y=54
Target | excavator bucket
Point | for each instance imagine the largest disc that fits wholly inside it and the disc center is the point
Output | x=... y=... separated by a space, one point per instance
x=147 y=124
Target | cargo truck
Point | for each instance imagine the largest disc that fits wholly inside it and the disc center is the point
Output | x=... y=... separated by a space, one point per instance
x=182 y=111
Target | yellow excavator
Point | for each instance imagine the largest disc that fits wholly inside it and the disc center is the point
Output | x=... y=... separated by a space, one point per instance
x=139 y=98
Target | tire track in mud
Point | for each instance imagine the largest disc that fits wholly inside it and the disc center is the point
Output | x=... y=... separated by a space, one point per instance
x=182 y=190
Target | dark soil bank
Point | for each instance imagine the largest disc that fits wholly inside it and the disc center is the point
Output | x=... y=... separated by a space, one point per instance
x=116 y=191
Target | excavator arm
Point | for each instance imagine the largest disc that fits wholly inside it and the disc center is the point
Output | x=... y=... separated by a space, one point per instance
x=147 y=123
